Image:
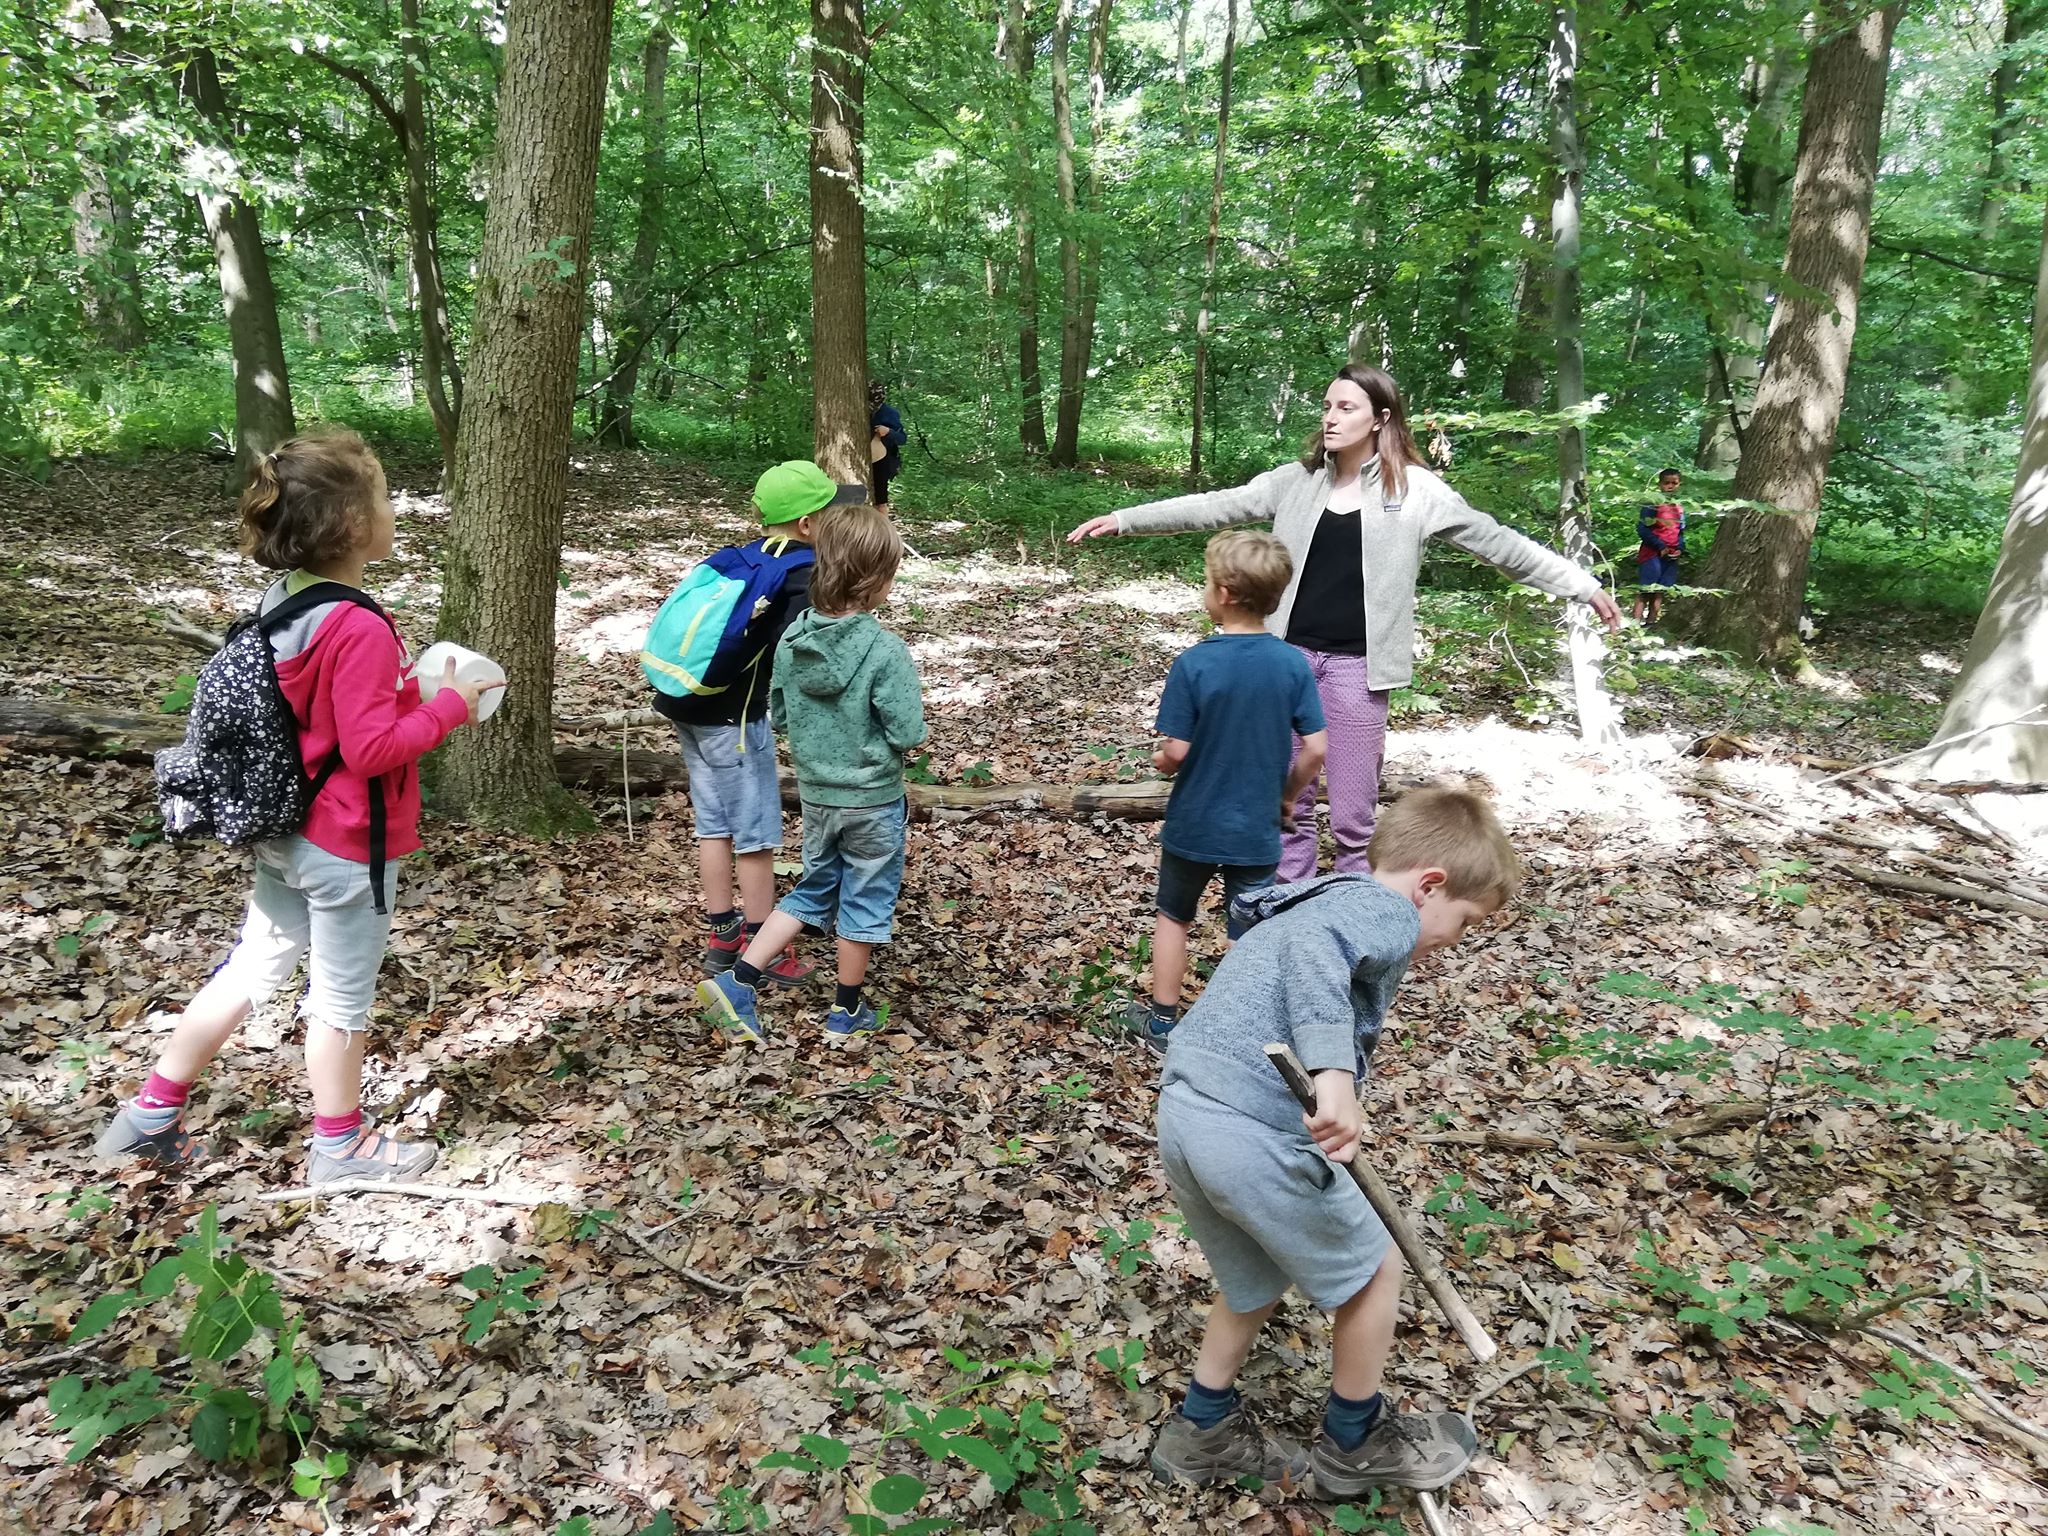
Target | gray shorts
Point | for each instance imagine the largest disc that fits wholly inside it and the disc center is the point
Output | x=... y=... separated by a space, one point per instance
x=734 y=793
x=1267 y=1208
x=312 y=905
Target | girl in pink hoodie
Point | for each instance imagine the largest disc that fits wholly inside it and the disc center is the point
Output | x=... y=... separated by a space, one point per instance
x=318 y=510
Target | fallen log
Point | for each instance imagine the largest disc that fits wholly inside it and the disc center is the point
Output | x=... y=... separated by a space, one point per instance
x=62 y=728
x=1922 y=885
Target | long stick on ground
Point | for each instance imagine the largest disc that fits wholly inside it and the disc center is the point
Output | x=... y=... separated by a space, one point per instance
x=1419 y=1258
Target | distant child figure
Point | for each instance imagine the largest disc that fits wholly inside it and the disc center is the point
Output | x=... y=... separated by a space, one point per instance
x=886 y=438
x=847 y=695
x=722 y=716
x=1661 y=527
x=1232 y=706
x=317 y=509
x=1316 y=969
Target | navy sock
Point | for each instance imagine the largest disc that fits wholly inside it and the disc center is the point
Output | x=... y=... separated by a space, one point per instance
x=746 y=975
x=846 y=999
x=1348 y=1420
x=1204 y=1407
x=722 y=922
x=1165 y=1013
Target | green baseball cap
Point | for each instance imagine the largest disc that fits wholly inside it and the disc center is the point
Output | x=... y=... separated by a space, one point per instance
x=792 y=490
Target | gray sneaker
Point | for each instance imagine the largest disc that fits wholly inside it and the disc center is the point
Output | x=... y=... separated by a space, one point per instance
x=1232 y=1448
x=1402 y=1450
x=125 y=1137
x=374 y=1156
x=1141 y=1023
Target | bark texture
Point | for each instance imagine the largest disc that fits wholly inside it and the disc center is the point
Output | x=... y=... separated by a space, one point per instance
x=423 y=222
x=630 y=335
x=1017 y=48
x=1204 y=314
x=512 y=453
x=839 y=279
x=1480 y=90
x=263 y=391
x=1526 y=380
x=1759 y=557
x=103 y=218
x=1066 y=437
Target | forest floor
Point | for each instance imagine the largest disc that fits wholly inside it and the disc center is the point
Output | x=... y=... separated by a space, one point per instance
x=707 y=1255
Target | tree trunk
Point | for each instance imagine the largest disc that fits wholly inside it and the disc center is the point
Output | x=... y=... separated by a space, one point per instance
x=263 y=391
x=2005 y=671
x=1091 y=245
x=1759 y=557
x=1016 y=46
x=1476 y=74
x=1066 y=439
x=103 y=219
x=1737 y=356
x=615 y=422
x=512 y=453
x=1202 y=315
x=1523 y=384
x=422 y=217
x=2022 y=19
x=839 y=274
x=1599 y=720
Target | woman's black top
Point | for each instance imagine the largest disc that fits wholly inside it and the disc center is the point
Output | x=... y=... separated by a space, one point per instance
x=1329 y=605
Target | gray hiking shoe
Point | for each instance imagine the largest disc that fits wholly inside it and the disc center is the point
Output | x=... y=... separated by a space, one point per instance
x=1142 y=1023
x=1233 y=1448
x=125 y=1137
x=374 y=1156
x=1402 y=1450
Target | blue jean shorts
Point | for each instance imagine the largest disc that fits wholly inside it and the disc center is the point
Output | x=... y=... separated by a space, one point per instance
x=1182 y=882
x=1658 y=571
x=853 y=870
x=733 y=789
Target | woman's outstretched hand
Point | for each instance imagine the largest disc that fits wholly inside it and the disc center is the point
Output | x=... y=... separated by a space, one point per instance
x=1604 y=606
x=1094 y=528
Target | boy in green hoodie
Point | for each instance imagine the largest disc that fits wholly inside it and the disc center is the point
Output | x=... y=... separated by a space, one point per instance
x=847 y=695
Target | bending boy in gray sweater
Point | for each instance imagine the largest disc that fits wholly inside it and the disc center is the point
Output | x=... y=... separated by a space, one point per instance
x=1317 y=969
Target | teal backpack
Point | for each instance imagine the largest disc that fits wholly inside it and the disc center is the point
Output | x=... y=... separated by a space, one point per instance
x=697 y=643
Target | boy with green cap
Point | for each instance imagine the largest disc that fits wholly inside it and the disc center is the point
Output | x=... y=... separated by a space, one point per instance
x=735 y=797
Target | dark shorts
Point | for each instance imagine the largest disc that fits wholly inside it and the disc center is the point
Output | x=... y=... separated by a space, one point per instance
x=1658 y=571
x=1182 y=882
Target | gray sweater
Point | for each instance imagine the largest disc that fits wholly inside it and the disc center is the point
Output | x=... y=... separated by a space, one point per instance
x=1317 y=971
x=1293 y=498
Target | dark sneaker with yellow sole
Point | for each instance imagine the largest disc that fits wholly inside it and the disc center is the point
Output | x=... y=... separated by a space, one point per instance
x=1423 y=1451
x=1232 y=1448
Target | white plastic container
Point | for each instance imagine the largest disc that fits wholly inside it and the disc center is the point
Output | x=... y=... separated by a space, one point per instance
x=470 y=667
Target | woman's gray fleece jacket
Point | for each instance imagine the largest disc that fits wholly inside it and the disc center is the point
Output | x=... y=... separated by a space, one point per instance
x=1293 y=497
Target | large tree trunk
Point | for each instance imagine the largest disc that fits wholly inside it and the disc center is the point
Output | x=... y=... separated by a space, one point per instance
x=422 y=218
x=1203 y=315
x=1531 y=344
x=1017 y=48
x=839 y=275
x=512 y=453
x=1737 y=356
x=629 y=337
x=1759 y=557
x=1599 y=720
x=102 y=218
x=263 y=391
x=2003 y=689
x=1066 y=438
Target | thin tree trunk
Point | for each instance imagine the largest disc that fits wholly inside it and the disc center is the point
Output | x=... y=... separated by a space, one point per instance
x=1527 y=377
x=511 y=477
x=2022 y=18
x=1481 y=102
x=422 y=217
x=103 y=219
x=2005 y=671
x=1091 y=246
x=1599 y=720
x=615 y=423
x=839 y=276
x=1203 y=319
x=1759 y=557
x=263 y=391
x=1017 y=48
x=1066 y=437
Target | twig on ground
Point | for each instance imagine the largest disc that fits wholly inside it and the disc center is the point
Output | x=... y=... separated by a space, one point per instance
x=191 y=634
x=1923 y=885
x=421 y=1191
x=390 y=1330
x=40 y=1363
x=2036 y=1434
x=2024 y=717
x=703 y=1281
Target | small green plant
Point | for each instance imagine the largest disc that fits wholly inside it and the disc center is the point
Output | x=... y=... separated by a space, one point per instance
x=1128 y=763
x=592 y=1222
x=1470 y=1219
x=1720 y=1310
x=1122 y=1361
x=495 y=1293
x=76 y=1058
x=1703 y=1446
x=82 y=1204
x=886 y=1142
x=1370 y=1516
x=1125 y=1250
x=178 y=697
x=918 y=769
x=1912 y=1389
x=1070 y=1089
x=1776 y=882
x=1013 y=1152
x=977 y=774
x=1575 y=1365
x=739 y=1510
x=69 y=944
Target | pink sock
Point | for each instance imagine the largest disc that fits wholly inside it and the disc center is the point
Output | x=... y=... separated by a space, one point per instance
x=339 y=1125
x=161 y=1093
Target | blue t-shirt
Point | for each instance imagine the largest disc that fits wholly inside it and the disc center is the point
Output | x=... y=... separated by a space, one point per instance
x=1238 y=701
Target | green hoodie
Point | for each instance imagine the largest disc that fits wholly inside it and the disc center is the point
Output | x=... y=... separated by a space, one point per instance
x=846 y=693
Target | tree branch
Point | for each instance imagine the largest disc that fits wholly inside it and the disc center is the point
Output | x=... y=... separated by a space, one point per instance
x=369 y=87
x=1950 y=261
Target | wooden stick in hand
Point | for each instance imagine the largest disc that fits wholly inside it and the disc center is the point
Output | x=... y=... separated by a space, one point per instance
x=1419 y=1258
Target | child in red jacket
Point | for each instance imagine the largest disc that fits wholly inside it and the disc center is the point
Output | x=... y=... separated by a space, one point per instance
x=318 y=510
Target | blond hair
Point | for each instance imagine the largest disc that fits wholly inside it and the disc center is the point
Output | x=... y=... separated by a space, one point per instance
x=858 y=552
x=1254 y=568
x=1453 y=830
x=309 y=501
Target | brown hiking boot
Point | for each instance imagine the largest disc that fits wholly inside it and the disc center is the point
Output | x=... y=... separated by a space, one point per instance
x=1402 y=1450
x=1232 y=1448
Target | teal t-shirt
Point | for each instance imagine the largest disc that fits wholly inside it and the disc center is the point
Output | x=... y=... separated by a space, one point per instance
x=1238 y=701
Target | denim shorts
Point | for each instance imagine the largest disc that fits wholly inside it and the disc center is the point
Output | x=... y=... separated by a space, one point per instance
x=1657 y=571
x=853 y=870
x=734 y=793
x=1182 y=882
x=312 y=905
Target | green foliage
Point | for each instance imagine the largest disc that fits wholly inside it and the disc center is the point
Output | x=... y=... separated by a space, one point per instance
x=1704 y=1446
x=178 y=698
x=1913 y=1389
x=1470 y=1219
x=1774 y=882
x=1070 y=1089
x=495 y=1293
x=1125 y=1248
x=1722 y=1310
x=1122 y=1361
